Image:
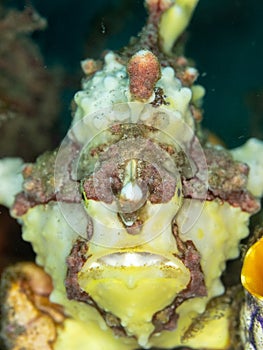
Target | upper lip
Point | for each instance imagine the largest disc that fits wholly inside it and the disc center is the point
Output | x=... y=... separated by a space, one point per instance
x=132 y=259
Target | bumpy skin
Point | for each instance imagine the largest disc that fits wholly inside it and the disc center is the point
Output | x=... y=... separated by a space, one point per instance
x=135 y=215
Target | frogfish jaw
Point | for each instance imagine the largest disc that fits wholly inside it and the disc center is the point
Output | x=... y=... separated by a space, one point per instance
x=132 y=287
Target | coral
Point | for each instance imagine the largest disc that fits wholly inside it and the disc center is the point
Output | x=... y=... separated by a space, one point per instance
x=136 y=214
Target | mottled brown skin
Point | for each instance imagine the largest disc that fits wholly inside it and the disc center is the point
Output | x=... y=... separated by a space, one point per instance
x=40 y=185
x=227 y=180
x=75 y=261
x=106 y=182
x=167 y=319
x=144 y=71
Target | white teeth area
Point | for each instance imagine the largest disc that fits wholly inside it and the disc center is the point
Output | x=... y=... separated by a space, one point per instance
x=132 y=259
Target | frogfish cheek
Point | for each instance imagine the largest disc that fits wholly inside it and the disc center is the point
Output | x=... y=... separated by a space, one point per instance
x=133 y=286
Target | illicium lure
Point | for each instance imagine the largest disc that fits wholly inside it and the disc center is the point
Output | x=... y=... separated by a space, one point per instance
x=136 y=214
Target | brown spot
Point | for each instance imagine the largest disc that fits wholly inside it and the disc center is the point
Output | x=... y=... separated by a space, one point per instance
x=135 y=228
x=144 y=71
x=90 y=66
x=187 y=76
x=75 y=262
x=22 y=205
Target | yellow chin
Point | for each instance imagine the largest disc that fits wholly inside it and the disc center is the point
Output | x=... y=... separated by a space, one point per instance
x=134 y=288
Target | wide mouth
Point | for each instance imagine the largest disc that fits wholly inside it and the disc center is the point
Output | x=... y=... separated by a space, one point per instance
x=135 y=266
x=252 y=270
x=133 y=286
x=133 y=259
